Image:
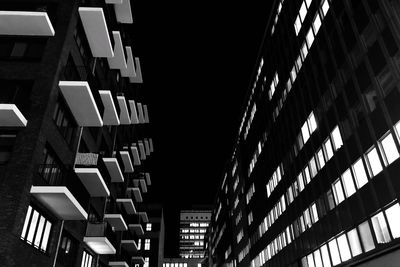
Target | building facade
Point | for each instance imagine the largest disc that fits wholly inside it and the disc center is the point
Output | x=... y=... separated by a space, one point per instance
x=193 y=226
x=75 y=145
x=312 y=180
x=182 y=262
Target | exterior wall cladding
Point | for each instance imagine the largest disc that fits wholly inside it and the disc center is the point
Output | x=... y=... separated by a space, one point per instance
x=314 y=175
x=75 y=146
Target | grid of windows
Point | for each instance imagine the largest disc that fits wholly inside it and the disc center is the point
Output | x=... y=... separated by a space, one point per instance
x=87 y=260
x=36 y=230
x=147 y=244
x=148 y=227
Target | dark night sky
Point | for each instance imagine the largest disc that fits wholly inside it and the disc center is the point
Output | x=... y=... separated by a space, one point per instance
x=197 y=62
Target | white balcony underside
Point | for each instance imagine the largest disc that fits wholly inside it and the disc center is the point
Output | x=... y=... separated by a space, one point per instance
x=124 y=114
x=123 y=12
x=114 y=170
x=10 y=116
x=100 y=245
x=81 y=102
x=116 y=221
x=93 y=181
x=60 y=201
x=128 y=205
x=25 y=23
x=130 y=66
x=95 y=26
x=110 y=116
x=126 y=159
x=136 y=158
x=118 y=264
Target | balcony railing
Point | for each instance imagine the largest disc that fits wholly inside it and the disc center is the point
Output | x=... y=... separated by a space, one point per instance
x=100 y=237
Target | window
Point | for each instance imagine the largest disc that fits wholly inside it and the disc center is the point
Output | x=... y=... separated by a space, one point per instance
x=320 y=158
x=64 y=121
x=36 y=229
x=310 y=38
x=303 y=11
x=139 y=244
x=87 y=259
x=310 y=261
x=297 y=25
x=389 y=149
x=380 y=228
x=50 y=170
x=393 y=217
x=147 y=244
x=146 y=262
x=366 y=236
x=325 y=256
x=344 y=247
x=312 y=122
x=337 y=138
x=375 y=165
x=325 y=7
x=316 y=23
x=338 y=192
x=313 y=167
x=300 y=181
x=359 y=173
x=314 y=213
x=317 y=258
x=354 y=242
x=348 y=183
x=328 y=149
x=307 y=175
x=148 y=227
x=333 y=248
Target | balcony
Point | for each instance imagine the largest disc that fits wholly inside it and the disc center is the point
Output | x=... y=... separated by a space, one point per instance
x=148 y=180
x=140 y=111
x=128 y=205
x=136 y=228
x=124 y=114
x=80 y=101
x=126 y=159
x=89 y=174
x=114 y=216
x=146 y=114
x=134 y=116
x=119 y=59
x=130 y=65
x=122 y=9
x=100 y=238
x=114 y=170
x=60 y=192
x=123 y=259
x=128 y=242
x=143 y=216
x=11 y=116
x=138 y=260
x=147 y=147
x=151 y=145
x=138 y=77
x=135 y=192
x=135 y=153
x=25 y=23
x=118 y=264
x=96 y=30
x=141 y=183
x=110 y=116
x=142 y=150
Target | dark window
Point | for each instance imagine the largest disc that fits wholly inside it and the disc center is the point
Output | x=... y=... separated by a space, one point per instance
x=67 y=253
x=65 y=122
x=50 y=170
x=22 y=48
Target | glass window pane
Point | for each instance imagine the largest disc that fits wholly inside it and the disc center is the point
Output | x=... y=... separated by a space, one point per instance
x=354 y=242
x=28 y=216
x=316 y=23
x=325 y=256
x=393 y=217
x=366 y=236
x=310 y=260
x=325 y=7
x=304 y=262
x=304 y=50
x=32 y=226
x=305 y=132
x=320 y=157
x=380 y=228
x=307 y=175
x=337 y=138
x=312 y=122
x=333 y=248
x=314 y=213
x=348 y=183
x=310 y=37
x=303 y=11
x=328 y=149
x=330 y=199
x=300 y=181
x=390 y=149
x=344 y=247
x=313 y=167
x=359 y=173
x=39 y=231
x=46 y=235
x=374 y=162
x=317 y=259
x=338 y=192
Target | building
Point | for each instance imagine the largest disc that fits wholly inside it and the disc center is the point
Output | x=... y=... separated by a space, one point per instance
x=193 y=226
x=75 y=145
x=313 y=175
x=182 y=262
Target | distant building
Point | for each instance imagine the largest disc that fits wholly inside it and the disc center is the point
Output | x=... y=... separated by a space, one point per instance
x=313 y=176
x=182 y=262
x=193 y=226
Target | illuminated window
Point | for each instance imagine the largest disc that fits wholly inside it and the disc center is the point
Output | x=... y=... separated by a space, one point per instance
x=325 y=7
x=389 y=149
x=333 y=248
x=320 y=158
x=375 y=165
x=314 y=213
x=310 y=38
x=297 y=25
x=354 y=242
x=305 y=132
x=359 y=173
x=146 y=262
x=344 y=247
x=316 y=23
x=36 y=229
x=338 y=192
x=366 y=236
x=310 y=261
x=300 y=181
x=312 y=122
x=313 y=167
x=147 y=244
x=87 y=259
x=318 y=259
x=393 y=217
x=328 y=149
x=303 y=11
x=380 y=228
x=348 y=183
x=139 y=244
x=337 y=138
x=325 y=256
x=148 y=227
